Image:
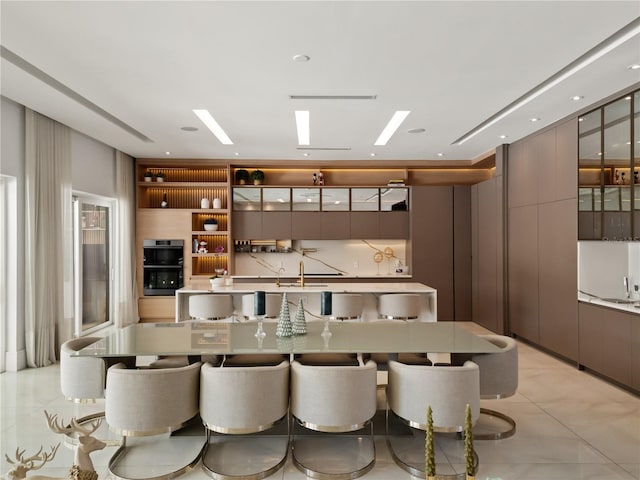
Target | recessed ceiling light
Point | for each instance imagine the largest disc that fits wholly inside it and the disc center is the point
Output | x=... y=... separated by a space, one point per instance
x=167 y=153
x=206 y=118
x=237 y=154
x=581 y=119
x=305 y=154
x=392 y=126
x=635 y=66
x=416 y=130
x=189 y=129
x=372 y=154
x=302 y=125
x=628 y=97
x=534 y=119
x=440 y=154
x=503 y=136
x=575 y=98
x=301 y=58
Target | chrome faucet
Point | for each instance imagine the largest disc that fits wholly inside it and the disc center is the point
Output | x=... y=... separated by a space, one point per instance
x=301 y=273
x=280 y=270
x=627 y=288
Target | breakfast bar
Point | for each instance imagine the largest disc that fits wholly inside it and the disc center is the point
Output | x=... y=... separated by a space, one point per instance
x=310 y=295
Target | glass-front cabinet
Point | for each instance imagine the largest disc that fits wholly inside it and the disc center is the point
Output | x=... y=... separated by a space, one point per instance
x=608 y=168
x=319 y=213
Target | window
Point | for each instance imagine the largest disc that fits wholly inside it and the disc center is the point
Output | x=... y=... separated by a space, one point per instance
x=92 y=260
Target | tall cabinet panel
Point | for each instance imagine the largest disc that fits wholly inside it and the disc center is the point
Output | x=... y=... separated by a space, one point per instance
x=486 y=242
x=432 y=244
x=557 y=260
x=542 y=247
x=523 y=272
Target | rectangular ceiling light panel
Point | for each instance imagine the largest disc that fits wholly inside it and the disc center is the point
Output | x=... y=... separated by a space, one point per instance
x=206 y=118
x=392 y=126
x=302 y=124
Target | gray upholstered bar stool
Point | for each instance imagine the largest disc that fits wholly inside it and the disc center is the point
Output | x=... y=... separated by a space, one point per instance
x=82 y=379
x=399 y=306
x=211 y=307
x=447 y=390
x=151 y=402
x=347 y=306
x=333 y=399
x=498 y=379
x=236 y=403
x=273 y=302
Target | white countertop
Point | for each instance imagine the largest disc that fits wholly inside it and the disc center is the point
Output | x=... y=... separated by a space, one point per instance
x=327 y=276
x=625 y=307
x=313 y=285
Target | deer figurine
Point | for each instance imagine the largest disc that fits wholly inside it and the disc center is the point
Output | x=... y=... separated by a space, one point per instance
x=82 y=465
x=24 y=465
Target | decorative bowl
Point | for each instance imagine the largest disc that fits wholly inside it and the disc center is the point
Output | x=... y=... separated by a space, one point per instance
x=211 y=226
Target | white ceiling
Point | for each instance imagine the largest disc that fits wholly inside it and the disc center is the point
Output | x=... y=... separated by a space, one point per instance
x=453 y=64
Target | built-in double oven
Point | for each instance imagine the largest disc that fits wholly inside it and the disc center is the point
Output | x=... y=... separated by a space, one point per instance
x=163 y=266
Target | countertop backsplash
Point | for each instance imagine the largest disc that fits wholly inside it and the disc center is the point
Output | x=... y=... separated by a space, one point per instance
x=348 y=258
x=602 y=267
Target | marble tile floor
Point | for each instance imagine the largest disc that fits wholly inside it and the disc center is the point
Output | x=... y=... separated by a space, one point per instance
x=570 y=426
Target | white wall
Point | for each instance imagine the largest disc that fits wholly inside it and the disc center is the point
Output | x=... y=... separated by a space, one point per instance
x=93 y=166
x=603 y=265
x=12 y=164
x=93 y=171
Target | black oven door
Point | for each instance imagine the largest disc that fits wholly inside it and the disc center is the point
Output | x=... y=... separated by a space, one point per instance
x=161 y=280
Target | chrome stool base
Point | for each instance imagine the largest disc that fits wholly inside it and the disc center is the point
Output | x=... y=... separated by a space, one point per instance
x=119 y=471
x=305 y=448
x=412 y=446
x=224 y=456
x=511 y=429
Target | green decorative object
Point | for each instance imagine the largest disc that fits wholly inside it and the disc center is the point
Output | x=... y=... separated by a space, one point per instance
x=300 y=322
x=242 y=176
x=257 y=176
x=468 y=445
x=429 y=455
x=284 y=328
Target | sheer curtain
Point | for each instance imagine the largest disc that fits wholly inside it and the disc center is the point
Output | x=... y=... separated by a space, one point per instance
x=47 y=233
x=125 y=264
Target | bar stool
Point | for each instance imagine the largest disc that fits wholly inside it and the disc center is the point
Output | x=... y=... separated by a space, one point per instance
x=447 y=390
x=273 y=301
x=82 y=379
x=212 y=306
x=151 y=402
x=346 y=306
x=333 y=399
x=236 y=403
x=498 y=379
x=399 y=306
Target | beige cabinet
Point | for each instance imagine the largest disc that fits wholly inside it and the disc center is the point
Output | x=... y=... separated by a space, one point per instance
x=188 y=201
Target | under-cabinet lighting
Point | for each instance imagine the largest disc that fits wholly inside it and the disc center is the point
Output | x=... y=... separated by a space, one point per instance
x=210 y=122
x=302 y=124
x=392 y=126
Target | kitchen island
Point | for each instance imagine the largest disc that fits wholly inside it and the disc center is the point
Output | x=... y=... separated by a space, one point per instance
x=310 y=295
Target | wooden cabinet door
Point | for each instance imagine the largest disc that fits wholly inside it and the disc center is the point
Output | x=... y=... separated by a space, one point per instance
x=394 y=225
x=276 y=225
x=590 y=328
x=365 y=225
x=306 y=226
x=247 y=225
x=335 y=225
